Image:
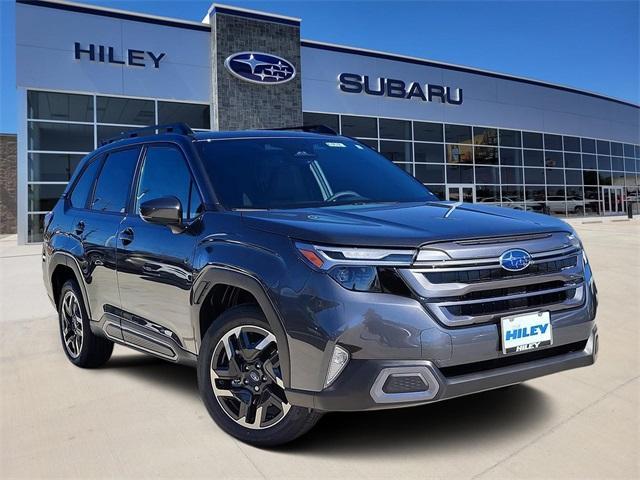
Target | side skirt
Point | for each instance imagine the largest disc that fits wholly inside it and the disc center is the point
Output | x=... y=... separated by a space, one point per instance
x=133 y=335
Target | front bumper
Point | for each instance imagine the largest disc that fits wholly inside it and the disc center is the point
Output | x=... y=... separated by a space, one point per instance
x=359 y=387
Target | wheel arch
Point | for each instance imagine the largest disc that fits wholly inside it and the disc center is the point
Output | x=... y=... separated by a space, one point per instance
x=214 y=276
x=62 y=267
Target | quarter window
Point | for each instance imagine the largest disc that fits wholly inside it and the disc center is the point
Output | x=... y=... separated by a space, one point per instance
x=82 y=188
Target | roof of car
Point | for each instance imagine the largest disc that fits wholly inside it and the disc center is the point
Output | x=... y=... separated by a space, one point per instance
x=257 y=134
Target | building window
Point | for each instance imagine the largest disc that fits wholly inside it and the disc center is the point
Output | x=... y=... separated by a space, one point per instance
x=396 y=151
x=325 y=119
x=459 y=154
x=485 y=136
x=533 y=158
x=366 y=127
x=532 y=140
x=429 y=173
x=63 y=127
x=427 y=132
x=543 y=172
x=61 y=107
x=125 y=111
x=510 y=156
x=552 y=142
x=486 y=155
x=195 y=115
x=457 y=133
x=603 y=147
x=52 y=167
x=588 y=145
x=510 y=138
x=429 y=152
x=395 y=129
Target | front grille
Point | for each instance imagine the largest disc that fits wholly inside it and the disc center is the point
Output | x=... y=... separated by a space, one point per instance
x=491 y=274
x=508 y=305
x=472 y=288
x=507 y=361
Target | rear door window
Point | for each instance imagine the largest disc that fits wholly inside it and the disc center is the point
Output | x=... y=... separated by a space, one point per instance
x=114 y=182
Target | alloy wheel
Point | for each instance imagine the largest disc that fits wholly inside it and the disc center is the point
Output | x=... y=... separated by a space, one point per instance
x=71 y=323
x=246 y=377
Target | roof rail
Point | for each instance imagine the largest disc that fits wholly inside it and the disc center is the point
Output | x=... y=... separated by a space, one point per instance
x=323 y=129
x=179 y=128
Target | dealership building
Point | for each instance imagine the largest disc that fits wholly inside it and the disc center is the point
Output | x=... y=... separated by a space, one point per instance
x=85 y=74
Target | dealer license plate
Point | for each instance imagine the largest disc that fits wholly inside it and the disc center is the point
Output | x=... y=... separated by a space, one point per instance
x=521 y=333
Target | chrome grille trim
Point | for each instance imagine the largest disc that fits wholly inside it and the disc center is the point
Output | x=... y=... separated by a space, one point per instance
x=568 y=291
x=493 y=262
x=509 y=297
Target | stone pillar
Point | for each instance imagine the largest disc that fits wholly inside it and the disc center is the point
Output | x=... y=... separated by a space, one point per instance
x=239 y=104
x=8 y=184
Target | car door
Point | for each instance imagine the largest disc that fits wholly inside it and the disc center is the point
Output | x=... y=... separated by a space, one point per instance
x=155 y=264
x=96 y=226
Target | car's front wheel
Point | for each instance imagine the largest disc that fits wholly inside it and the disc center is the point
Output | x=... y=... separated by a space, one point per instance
x=240 y=381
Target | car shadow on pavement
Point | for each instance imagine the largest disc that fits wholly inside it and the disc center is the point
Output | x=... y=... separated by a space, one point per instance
x=463 y=422
x=180 y=378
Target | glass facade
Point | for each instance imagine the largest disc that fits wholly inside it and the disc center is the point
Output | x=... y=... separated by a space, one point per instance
x=64 y=127
x=542 y=172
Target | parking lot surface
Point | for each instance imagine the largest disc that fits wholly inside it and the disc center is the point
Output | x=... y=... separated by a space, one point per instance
x=141 y=417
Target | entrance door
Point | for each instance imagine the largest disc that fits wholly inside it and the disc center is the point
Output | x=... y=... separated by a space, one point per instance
x=613 y=200
x=461 y=193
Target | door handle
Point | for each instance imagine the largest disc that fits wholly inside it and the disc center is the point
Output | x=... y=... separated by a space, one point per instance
x=126 y=236
x=79 y=227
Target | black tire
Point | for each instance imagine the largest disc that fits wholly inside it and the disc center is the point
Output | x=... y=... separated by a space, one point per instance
x=93 y=351
x=294 y=423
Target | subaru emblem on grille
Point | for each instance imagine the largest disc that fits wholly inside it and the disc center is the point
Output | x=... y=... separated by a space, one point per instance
x=515 y=260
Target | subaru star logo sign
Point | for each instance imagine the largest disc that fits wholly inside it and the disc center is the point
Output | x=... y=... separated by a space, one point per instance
x=260 y=68
x=515 y=260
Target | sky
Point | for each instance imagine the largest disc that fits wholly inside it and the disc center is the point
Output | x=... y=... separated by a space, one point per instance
x=590 y=45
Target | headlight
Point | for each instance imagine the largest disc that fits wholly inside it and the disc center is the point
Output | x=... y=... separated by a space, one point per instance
x=360 y=269
x=574 y=240
x=361 y=279
x=325 y=257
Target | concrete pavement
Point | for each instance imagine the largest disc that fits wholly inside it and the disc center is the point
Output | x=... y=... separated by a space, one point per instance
x=141 y=417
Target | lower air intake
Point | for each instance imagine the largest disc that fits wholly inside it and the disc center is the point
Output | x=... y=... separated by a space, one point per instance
x=404 y=383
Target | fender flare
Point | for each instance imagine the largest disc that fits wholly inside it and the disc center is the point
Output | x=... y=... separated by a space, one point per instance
x=68 y=260
x=213 y=275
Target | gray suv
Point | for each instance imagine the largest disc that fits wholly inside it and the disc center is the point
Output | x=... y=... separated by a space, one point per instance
x=301 y=272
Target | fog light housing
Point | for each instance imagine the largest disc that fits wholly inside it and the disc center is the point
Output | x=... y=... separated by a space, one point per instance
x=339 y=360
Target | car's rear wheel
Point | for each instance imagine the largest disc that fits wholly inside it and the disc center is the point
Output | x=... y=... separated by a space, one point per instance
x=82 y=347
x=240 y=381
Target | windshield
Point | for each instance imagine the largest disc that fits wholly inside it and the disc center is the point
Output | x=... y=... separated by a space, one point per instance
x=270 y=173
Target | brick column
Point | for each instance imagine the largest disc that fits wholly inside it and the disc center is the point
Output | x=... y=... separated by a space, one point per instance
x=238 y=104
x=8 y=183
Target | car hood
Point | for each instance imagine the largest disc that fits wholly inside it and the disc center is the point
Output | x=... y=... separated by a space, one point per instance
x=400 y=225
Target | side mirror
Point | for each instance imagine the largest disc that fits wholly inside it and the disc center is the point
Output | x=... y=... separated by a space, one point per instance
x=163 y=211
